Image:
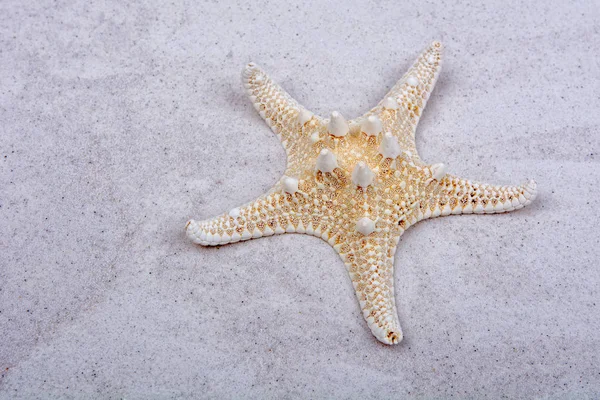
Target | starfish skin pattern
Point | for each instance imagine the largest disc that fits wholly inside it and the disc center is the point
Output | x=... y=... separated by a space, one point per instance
x=357 y=184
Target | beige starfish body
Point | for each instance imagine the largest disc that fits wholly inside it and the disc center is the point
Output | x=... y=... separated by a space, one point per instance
x=358 y=185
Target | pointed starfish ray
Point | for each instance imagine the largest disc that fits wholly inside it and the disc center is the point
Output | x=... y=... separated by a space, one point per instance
x=357 y=184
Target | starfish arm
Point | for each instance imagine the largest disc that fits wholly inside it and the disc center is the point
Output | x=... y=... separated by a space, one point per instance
x=370 y=263
x=453 y=195
x=273 y=213
x=401 y=108
x=280 y=210
x=280 y=111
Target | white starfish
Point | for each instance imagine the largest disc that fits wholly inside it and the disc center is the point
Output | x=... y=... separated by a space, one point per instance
x=358 y=185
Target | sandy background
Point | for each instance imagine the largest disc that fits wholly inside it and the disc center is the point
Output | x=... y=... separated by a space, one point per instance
x=118 y=123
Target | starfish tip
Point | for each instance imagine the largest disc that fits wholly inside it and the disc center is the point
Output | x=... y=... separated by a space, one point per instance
x=531 y=188
x=391 y=337
x=187 y=224
x=249 y=69
x=395 y=337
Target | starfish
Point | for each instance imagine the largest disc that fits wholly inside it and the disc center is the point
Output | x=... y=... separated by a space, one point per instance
x=357 y=184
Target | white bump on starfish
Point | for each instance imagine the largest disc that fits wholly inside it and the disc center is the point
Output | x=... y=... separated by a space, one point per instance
x=412 y=81
x=338 y=126
x=362 y=176
x=326 y=161
x=365 y=226
x=290 y=185
x=371 y=126
x=304 y=116
x=438 y=171
x=390 y=104
x=389 y=147
x=404 y=191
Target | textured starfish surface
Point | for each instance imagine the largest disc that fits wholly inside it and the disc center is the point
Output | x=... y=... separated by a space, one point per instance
x=357 y=184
